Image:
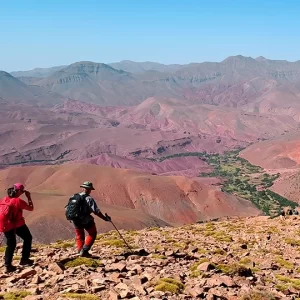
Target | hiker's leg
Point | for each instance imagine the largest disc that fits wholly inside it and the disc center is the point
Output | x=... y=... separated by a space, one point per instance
x=79 y=231
x=11 y=246
x=92 y=233
x=24 y=233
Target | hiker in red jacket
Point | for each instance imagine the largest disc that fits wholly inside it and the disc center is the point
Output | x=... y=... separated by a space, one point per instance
x=17 y=226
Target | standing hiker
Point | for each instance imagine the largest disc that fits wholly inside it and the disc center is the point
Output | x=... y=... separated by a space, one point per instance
x=12 y=223
x=78 y=211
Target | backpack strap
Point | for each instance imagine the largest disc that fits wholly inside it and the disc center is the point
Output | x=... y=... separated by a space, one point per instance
x=83 y=203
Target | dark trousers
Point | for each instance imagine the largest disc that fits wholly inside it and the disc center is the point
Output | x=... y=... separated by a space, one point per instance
x=24 y=233
x=83 y=242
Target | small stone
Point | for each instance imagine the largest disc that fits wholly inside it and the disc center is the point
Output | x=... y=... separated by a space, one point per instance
x=126 y=294
x=27 y=273
x=112 y=295
x=121 y=286
x=36 y=279
x=56 y=268
x=206 y=266
x=121 y=267
x=169 y=253
x=33 y=297
x=115 y=277
x=194 y=291
x=97 y=289
x=11 y=279
x=157 y=294
x=137 y=284
x=266 y=265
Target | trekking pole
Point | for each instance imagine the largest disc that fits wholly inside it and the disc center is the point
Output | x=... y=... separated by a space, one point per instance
x=119 y=233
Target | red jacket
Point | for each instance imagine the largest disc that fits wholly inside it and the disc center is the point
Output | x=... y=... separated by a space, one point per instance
x=17 y=206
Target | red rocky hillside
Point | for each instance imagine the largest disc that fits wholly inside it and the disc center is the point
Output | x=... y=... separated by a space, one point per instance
x=251 y=258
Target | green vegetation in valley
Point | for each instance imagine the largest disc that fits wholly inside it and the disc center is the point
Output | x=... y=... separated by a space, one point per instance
x=242 y=179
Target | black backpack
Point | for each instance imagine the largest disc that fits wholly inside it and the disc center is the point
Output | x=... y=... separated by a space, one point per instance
x=75 y=207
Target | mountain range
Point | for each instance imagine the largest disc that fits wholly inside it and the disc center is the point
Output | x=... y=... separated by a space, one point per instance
x=255 y=85
x=153 y=121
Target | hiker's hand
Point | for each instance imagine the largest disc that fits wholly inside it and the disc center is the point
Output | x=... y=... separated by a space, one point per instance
x=107 y=218
x=27 y=194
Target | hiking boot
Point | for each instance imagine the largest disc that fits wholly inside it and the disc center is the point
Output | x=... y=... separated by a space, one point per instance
x=10 y=269
x=26 y=262
x=85 y=253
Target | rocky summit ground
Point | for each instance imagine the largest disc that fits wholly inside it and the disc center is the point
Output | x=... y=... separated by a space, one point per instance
x=251 y=258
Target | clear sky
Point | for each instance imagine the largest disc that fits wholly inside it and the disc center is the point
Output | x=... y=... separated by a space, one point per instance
x=55 y=32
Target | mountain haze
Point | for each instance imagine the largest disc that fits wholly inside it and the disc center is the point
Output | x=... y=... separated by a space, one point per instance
x=37 y=72
x=237 y=81
x=12 y=90
x=140 y=67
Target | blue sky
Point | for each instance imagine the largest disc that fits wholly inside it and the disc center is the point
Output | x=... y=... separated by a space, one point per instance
x=48 y=33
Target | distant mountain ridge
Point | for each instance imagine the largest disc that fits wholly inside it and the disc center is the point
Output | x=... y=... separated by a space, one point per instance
x=140 y=67
x=254 y=85
x=37 y=72
x=15 y=91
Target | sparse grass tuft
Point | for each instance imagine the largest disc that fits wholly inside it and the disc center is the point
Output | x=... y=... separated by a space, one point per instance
x=198 y=263
x=202 y=251
x=277 y=252
x=153 y=229
x=219 y=251
x=100 y=236
x=245 y=261
x=132 y=233
x=282 y=287
x=170 y=240
x=284 y=263
x=15 y=295
x=114 y=243
x=258 y=295
x=158 y=248
x=81 y=296
x=169 y=285
x=295 y=283
x=63 y=245
x=158 y=256
x=196 y=274
x=219 y=236
x=292 y=242
x=180 y=245
x=89 y=262
x=234 y=269
x=272 y=229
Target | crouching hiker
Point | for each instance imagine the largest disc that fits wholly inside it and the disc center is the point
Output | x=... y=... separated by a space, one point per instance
x=12 y=223
x=78 y=211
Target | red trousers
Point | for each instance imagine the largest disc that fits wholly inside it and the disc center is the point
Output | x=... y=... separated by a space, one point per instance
x=87 y=242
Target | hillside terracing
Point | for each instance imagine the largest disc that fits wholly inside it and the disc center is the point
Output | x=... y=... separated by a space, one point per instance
x=252 y=258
